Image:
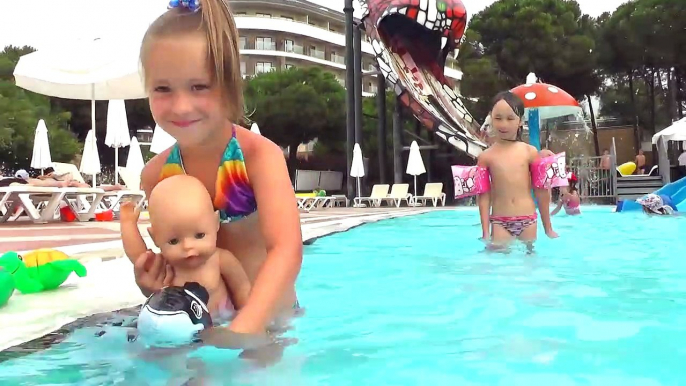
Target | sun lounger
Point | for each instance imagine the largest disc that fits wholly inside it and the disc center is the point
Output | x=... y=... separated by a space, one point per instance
x=108 y=199
x=432 y=191
x=18 y=199
x=379 y=192
x=399 y=193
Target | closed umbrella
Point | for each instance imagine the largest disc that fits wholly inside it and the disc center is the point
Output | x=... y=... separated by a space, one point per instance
x=135 y=162
x=161 y=140
x=41 y=158
x=117 y=133
x=357 y=168
x=415 y=164
x=90 y=160
x=255 y=129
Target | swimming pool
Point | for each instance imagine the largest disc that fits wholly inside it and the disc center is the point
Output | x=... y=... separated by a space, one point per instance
x=415 y=301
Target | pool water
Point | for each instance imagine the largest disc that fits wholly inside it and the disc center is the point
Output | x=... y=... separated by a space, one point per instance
x=417 y=301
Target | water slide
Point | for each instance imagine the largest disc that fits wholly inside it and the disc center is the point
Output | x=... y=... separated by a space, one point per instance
x=411 y=41
x=675 y=190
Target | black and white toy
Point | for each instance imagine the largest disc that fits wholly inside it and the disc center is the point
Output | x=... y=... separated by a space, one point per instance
x=174 y=315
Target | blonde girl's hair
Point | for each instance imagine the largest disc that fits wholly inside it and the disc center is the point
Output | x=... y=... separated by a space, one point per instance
x=215 y=21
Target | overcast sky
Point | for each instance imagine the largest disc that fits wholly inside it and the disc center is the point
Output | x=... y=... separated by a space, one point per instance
x=41 y=23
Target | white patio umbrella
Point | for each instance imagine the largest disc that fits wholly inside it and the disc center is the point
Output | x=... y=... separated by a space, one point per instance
x=98 y=69
x=90 y=160
x=415 y=164
x=675 y=132
x=135 y=162
x=41 y=158
x=161 y=140
x=255 y=129
x=117 y=133
x=357 y=167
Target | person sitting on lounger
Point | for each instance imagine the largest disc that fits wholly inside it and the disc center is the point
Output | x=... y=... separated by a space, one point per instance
x=66 y=178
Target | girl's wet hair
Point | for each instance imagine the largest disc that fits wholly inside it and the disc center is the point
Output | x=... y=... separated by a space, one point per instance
x=216 y=24
x=512 y=100
x=515 y=103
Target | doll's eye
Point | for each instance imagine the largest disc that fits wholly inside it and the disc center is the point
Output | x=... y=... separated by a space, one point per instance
x=173 y=241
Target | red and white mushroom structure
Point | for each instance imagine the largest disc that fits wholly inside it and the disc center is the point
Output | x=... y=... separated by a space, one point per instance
x=544 y=101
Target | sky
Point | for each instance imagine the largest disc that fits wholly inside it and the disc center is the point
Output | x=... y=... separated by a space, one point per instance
x=44 y=23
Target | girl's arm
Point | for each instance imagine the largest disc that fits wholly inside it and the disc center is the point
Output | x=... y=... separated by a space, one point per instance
x=484 y=202
x=543 y=199
x=235 y=279
x=558 y=207
x=280 y=226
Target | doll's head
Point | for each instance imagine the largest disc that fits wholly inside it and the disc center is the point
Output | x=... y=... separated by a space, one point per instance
x=183 y=222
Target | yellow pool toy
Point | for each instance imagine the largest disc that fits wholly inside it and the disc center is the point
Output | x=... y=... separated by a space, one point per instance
x=627 y=168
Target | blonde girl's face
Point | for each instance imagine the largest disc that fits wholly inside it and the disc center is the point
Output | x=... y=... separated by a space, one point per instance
x=184 y=98
x=504 y=121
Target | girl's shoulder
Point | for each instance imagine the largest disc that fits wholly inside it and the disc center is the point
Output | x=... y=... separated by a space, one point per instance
x=151 y=171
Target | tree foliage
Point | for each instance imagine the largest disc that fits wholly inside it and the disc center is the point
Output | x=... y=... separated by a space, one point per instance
x=643 y=56
x=512 y=38
x=20 y=112
x=296 y=106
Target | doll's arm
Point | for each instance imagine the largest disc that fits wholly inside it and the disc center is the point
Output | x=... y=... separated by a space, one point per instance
x=134 y=245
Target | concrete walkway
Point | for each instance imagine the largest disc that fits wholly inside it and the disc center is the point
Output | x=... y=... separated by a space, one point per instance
x=110 y=284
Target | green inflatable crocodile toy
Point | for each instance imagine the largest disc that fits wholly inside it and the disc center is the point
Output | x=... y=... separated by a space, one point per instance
x=40 y=270
x=6 y=286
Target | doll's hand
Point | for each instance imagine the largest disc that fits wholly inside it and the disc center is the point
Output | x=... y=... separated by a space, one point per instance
x=129 y=212
x=152 y=272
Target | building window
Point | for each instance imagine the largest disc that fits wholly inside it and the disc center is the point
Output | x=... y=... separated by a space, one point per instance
x=261 y=67
x=264 y=15
x=243 y=42
x=287 y=17
x=288 y=45
x=264 y=44
x=243 y=69
x=319 y=54
x=337 y=58
x=288 y=66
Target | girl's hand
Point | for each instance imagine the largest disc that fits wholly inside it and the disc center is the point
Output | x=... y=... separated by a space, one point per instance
x=551 y=234
x=225 y=338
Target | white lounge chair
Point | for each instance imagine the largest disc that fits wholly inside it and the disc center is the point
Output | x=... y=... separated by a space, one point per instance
x=399 y=193
x=39 y=203
x=432 y=191
x=379 y=192
x=107 y=200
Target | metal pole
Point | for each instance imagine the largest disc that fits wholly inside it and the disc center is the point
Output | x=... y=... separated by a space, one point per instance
x=381 y=110
x=397 y=144
x=357 y=46
x=350 y=91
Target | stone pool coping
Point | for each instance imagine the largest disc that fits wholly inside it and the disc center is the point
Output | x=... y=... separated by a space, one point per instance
x=110 y=285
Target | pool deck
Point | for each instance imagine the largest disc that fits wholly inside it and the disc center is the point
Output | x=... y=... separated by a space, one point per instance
x=98 y=246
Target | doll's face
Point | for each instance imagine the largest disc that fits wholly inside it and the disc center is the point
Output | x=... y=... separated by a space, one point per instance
x=186 y=236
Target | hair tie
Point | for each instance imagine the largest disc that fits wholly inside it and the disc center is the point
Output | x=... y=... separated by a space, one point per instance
x=191 y=5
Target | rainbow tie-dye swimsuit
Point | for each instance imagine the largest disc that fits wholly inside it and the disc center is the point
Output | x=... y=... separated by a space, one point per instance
x=234 y=197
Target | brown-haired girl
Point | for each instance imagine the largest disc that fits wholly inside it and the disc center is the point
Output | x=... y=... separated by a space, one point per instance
x=191 y=64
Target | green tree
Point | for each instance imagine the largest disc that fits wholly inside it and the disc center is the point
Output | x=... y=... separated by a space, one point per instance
x=511 y=38
x=296 y=106
x=20 y=112
x=642 y=49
